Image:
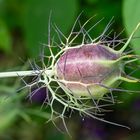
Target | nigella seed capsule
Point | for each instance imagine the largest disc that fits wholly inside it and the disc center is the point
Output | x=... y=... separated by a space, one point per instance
x=89 y=70
x=76 y=78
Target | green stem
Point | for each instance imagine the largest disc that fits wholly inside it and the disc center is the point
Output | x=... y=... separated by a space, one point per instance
x=23 y=73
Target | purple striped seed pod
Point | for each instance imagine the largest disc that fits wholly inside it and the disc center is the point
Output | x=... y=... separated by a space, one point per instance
x=89 y=70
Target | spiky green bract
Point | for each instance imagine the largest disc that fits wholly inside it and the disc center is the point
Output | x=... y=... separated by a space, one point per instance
x=79 y=77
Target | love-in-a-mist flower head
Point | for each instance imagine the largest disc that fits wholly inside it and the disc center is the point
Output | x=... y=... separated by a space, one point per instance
x=82 y=77
x=86 y=74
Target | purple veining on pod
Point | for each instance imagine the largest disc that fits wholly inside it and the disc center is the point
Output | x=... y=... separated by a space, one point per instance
x=84 y=69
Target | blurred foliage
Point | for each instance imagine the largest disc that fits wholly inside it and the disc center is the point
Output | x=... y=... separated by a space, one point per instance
x=131 y=18
x=5 y=41
x=23 y=28
x=36 y=16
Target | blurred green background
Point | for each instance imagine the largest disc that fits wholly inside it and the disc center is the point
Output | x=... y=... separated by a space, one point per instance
x=23 y=30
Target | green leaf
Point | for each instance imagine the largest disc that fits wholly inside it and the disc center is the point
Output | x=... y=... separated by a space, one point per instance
x=5 y=38
x=131 y=17
x=36 y=20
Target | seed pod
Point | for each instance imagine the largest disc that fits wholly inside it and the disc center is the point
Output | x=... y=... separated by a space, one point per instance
x=84 y=72
x=93 y=69
x=88 y=69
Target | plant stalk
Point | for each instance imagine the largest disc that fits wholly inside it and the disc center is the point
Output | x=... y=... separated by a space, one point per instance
x=23 y=73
